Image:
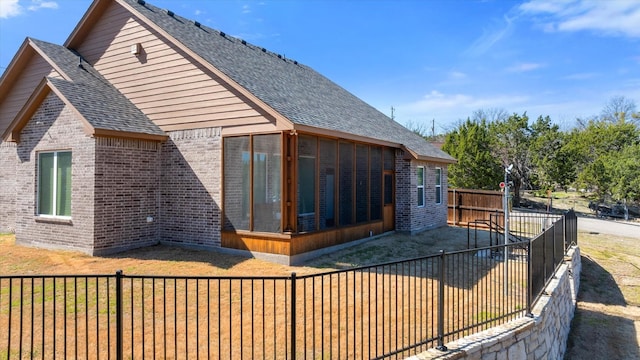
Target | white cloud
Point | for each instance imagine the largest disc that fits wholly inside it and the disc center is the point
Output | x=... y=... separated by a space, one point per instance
x=246 y=9
x=457 y=75
x=524 y=67
x=9 y=8
x=438 y=100
x=491 y=36
x=39 y=4
x=607 y=18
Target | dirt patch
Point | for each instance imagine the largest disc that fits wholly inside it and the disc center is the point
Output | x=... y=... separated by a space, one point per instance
x=607 y=320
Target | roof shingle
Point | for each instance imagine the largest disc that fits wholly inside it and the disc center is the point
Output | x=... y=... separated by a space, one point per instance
x=296 y=91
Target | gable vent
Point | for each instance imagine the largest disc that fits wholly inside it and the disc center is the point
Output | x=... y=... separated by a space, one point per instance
x=197 y=24
x=170 y=13
x=142 y=2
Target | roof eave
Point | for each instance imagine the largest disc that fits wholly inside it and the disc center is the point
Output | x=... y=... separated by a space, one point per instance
x=19 y=61
x=12 y=133
x=96 y=9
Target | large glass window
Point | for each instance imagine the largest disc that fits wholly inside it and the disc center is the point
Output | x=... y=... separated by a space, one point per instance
x=237 y=183
x=420 y=176
x=375 y=194
x=346 y=183
x=266 y=183
x=252 y=183
x=307 y=148
x=327 y=183
x=54 y=183
x=362 y=183
x=438 y=185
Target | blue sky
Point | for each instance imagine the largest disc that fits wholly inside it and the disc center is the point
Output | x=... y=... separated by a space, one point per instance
x=429 y=60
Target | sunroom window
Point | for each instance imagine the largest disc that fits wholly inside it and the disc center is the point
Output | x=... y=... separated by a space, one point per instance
x=252 y=183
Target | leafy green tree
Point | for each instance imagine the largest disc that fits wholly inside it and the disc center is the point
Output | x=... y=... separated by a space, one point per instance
x=476 y=168
x=624 y=168
x=511 y=141
x=552 y=162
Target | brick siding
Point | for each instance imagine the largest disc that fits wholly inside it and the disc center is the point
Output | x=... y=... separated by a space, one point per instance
x=410 y=217
x=190 y=192
x=126 y=194
x=8 y=162
x=54 y=126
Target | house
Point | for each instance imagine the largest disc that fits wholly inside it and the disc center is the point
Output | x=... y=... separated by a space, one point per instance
x=146 y=127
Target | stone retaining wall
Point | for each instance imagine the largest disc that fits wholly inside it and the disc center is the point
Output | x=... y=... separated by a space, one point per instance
x=542 y=337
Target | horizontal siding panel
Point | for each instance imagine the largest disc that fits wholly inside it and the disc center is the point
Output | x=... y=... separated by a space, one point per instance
x=229 y=126
x=216 y=92
x=224 y=119
x=35 y=70
x=171 y=112
x=174 y=91
x=200 y=100
x=172 y=69
x=141 y=90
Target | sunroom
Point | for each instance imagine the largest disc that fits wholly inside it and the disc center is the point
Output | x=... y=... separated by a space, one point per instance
x=291 y=193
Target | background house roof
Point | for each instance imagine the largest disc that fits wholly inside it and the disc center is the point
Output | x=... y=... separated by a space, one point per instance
x=296 y=91
x=96 y=100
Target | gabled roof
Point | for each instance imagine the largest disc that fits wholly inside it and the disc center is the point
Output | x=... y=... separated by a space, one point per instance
x=101 y=106
x=297 y=92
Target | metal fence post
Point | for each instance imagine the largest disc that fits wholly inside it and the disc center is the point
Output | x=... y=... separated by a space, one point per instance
x=119 y=315
x=529 y=279
x=441 y=346
x=293 y=316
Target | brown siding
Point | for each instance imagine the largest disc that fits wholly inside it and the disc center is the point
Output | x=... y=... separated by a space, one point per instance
x=163 y=81
x=34 y=71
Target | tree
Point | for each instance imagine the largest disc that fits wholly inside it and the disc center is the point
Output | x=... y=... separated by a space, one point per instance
x=553 y=164
x=625 y=174
x=476 y=168
x=511 y=141
x=596 y=151
x=619 y=109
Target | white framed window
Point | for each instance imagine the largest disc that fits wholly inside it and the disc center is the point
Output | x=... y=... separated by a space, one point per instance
x=54 y=184
x=420 y=186
x=438 y=186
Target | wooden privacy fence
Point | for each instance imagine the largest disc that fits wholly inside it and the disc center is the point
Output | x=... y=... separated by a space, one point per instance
x=467 y=205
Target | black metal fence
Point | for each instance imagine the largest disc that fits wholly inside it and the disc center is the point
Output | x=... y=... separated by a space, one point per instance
x=381 y=311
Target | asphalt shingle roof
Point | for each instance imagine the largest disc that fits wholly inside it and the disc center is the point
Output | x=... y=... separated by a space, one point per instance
x=101 y=104
x=296 y=91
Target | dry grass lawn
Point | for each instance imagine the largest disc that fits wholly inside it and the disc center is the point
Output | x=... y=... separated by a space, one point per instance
x=607 y=320
x=401 y=300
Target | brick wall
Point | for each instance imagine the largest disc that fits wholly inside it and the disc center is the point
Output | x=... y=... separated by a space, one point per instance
x=8 y=161
x=190 y=183
x=54 y=126
x=410 y=217
x=126 y=194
